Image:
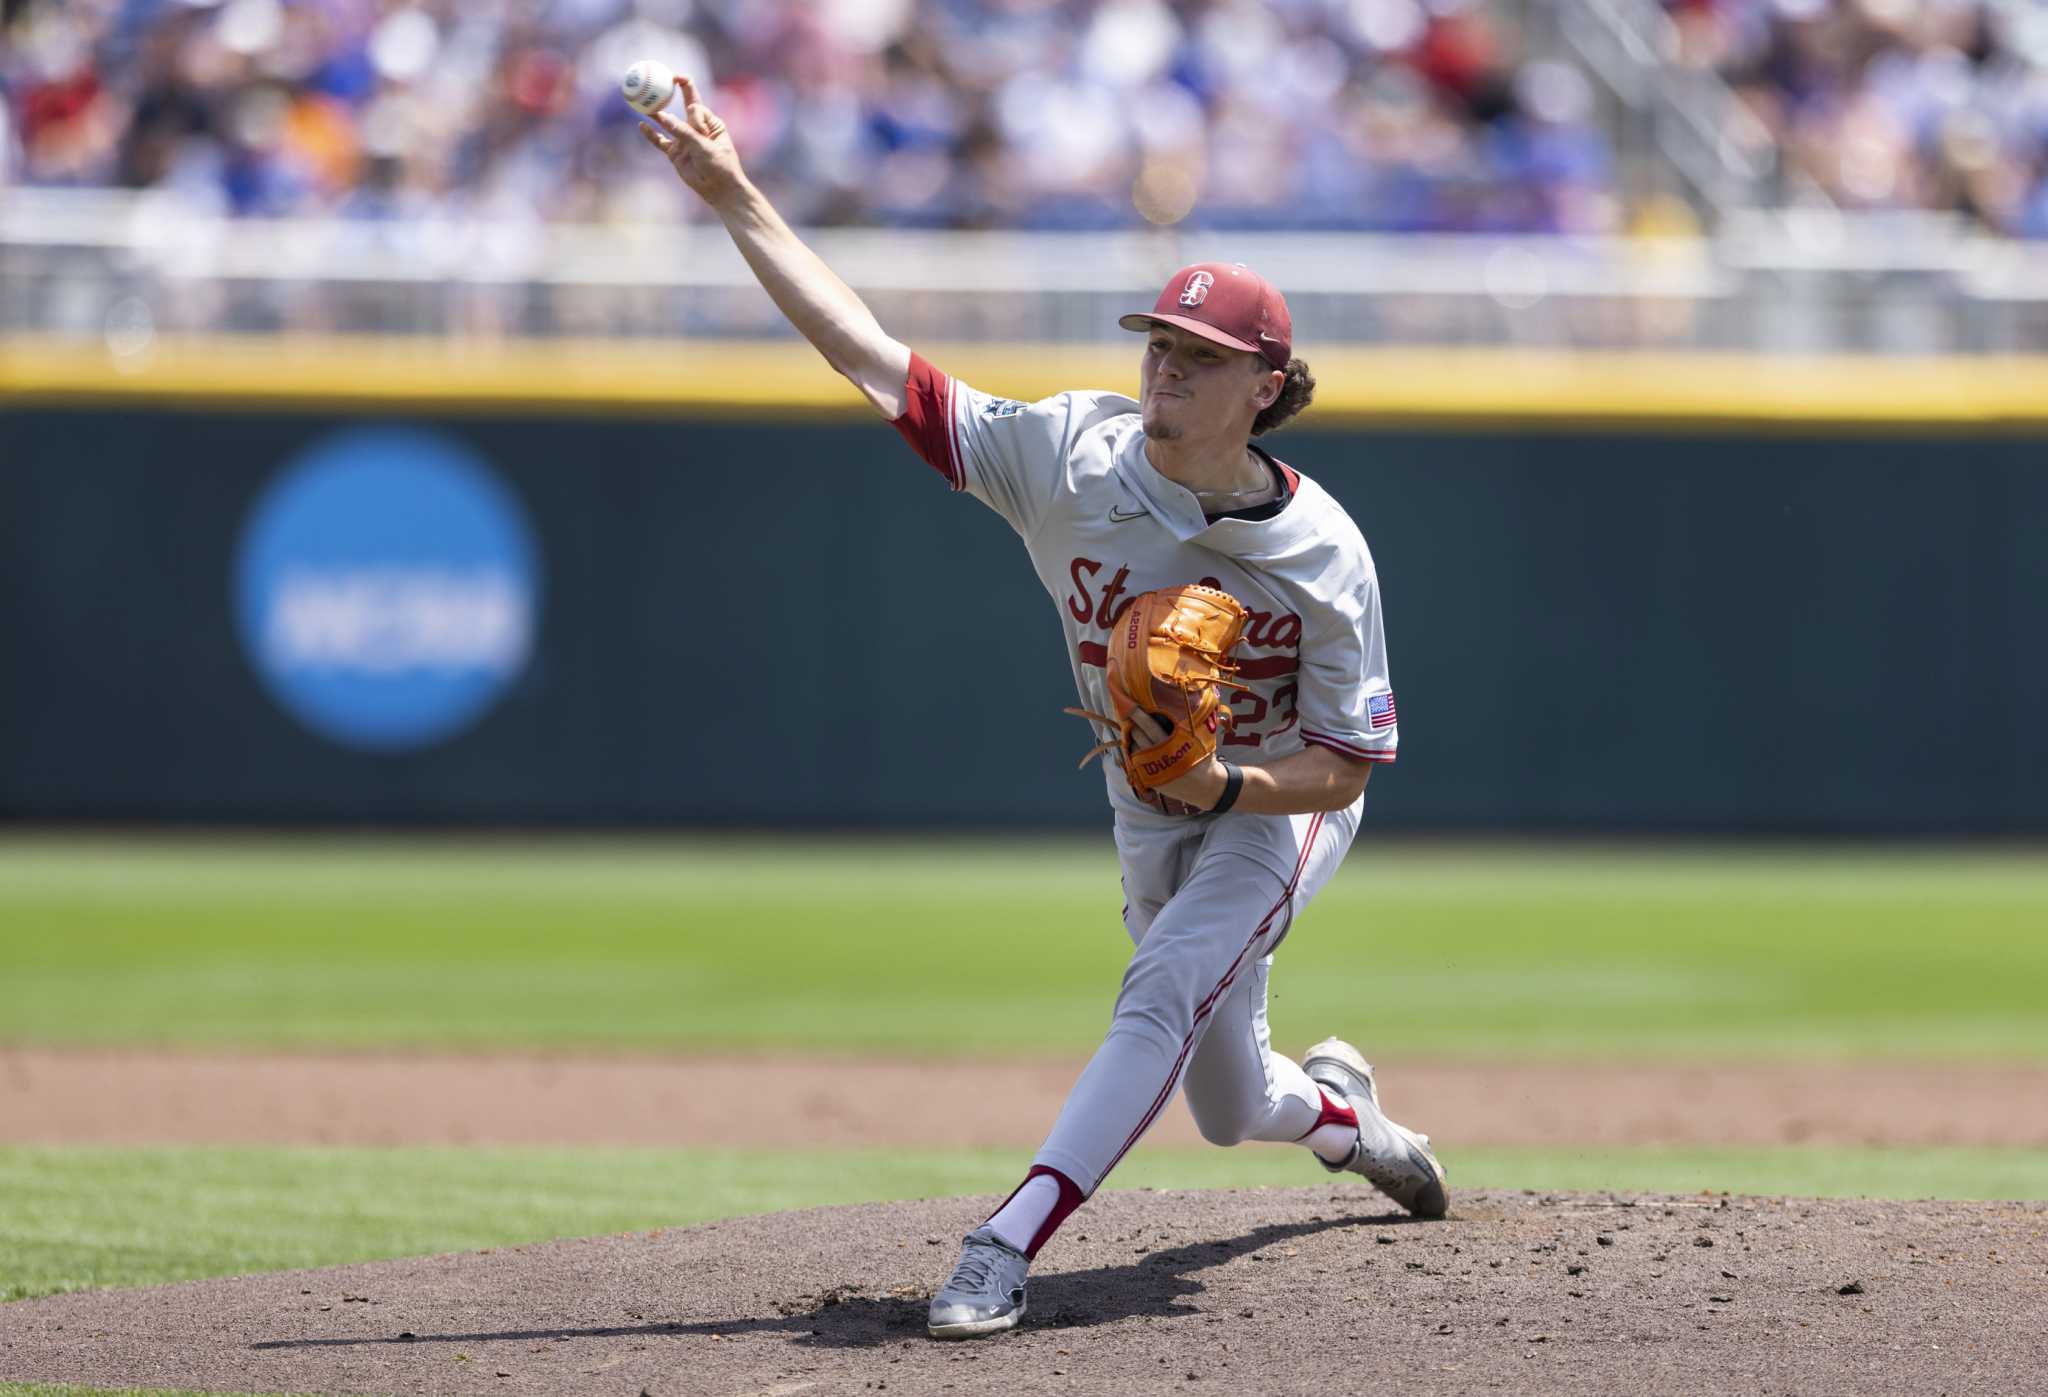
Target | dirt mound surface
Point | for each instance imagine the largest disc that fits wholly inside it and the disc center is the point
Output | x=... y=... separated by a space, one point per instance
x=1306 y=1291
x=138 y=1096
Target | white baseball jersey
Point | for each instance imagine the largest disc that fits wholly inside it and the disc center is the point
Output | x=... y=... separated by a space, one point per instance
x=1070 y=475
x=1206 y=899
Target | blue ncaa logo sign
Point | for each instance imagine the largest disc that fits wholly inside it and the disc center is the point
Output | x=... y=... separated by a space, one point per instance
x=387 y=587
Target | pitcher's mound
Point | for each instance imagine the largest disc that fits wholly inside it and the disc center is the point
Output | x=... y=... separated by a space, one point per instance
x=1312 y=1291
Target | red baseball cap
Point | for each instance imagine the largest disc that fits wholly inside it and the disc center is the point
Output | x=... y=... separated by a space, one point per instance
x=1228 y=303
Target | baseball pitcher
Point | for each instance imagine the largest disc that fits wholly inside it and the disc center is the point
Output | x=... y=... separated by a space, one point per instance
x=1222 y=619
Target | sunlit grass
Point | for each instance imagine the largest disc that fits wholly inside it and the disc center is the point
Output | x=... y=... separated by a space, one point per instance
x=84 y=1218
x=934 y=946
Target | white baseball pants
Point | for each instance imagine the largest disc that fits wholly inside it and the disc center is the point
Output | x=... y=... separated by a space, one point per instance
x=1206 y=903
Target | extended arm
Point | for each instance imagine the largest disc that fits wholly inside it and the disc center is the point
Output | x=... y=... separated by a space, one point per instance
x=823 y=308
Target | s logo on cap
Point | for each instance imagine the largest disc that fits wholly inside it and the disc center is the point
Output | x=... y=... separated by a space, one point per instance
x=1197 y=289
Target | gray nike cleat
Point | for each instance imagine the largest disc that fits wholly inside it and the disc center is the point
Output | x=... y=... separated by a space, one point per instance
x=1403 y=1168
x=986 y=1293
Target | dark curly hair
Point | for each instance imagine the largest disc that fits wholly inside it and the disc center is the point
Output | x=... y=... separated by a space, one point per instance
x=1295 y=394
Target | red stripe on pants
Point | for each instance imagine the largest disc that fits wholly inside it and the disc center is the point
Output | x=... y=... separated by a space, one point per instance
x=1202 y=1010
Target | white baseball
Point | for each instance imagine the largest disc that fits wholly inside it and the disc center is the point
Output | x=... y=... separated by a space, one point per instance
x=648 y=86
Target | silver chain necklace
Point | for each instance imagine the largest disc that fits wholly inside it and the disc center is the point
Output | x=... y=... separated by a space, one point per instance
x=1249 y=494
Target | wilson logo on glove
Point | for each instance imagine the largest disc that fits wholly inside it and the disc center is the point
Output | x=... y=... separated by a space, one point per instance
x=1174 y=657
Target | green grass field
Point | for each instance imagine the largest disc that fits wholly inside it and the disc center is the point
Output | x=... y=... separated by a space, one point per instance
x=75 y=1218
x=938 y=947
x=947 y=947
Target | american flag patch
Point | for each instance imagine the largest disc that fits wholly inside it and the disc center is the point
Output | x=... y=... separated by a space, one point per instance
x=1380 y=709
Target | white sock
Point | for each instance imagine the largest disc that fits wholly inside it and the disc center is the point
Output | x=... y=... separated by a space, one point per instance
x=1018 y=1220
x=1332 y=1143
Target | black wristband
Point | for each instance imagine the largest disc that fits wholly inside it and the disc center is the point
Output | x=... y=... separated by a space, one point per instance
x=1233 y=782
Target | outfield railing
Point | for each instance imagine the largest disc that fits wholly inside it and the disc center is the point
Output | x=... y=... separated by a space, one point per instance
x=126 y=267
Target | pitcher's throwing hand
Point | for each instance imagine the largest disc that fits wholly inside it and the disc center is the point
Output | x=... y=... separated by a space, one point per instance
x=698 y=144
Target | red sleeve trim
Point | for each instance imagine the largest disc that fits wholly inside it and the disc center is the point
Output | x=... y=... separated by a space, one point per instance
x=927 y=420
x=1345 y=749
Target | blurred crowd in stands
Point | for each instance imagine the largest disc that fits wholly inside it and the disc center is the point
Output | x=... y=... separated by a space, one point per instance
x=1885 y=104
x=1400 y=115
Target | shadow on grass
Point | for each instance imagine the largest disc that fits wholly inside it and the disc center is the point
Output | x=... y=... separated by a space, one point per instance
x=1159 y=1285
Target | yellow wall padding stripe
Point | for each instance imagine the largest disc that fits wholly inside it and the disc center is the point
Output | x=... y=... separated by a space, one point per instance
x=1470 y=388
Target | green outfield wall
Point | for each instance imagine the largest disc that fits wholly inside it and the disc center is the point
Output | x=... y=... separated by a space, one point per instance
x=768 y=615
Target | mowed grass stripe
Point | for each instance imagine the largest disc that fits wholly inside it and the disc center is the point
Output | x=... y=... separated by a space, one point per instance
x=84 y=1218
x=985 y=948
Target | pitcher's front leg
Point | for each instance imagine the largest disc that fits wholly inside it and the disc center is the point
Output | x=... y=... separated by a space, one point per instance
x=1210 y=935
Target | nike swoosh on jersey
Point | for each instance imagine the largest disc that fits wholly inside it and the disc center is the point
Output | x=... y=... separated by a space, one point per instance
x=1116 y=517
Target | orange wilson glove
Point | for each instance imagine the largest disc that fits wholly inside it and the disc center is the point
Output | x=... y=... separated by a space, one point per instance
x=1169 y=653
